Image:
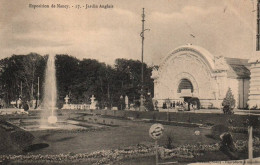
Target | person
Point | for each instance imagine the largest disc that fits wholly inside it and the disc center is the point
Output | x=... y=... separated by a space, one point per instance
x=19 y=103
x=156 y=105
x=164 y=105
x=26 y=106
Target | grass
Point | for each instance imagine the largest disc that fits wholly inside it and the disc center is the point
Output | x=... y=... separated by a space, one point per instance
x=131 y=134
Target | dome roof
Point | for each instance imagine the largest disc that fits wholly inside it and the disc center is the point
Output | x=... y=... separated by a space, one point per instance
x=203 y=53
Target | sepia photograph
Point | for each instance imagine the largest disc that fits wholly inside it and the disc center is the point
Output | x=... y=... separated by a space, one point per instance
x=129 y=82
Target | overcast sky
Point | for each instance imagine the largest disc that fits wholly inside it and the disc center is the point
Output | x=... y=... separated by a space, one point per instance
x=223 y=27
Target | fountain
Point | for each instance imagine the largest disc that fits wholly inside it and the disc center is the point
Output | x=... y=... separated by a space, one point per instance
x=48 y=120
x=48 y=115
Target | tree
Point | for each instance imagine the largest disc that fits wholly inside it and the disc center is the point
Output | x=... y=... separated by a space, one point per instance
x=67 y=74
x=149 y=104
x=228 y=102
x=80 y=79
x=19 y=76
x=127 y=80
x=32 y=68
x=10 y=78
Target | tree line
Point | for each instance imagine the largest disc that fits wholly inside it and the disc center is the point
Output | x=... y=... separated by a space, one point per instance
x=79 y=79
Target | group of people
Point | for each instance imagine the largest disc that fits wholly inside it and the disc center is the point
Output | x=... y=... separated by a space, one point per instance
x=22 y=104
x=185 y=105
x=173 y=104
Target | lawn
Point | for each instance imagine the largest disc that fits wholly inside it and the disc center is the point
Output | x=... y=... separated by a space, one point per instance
x=128 y=133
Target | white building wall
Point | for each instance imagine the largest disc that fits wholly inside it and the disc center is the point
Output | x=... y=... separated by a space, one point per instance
x=254 y=92
x=234 y=85
x=246 y=92
x=243 y=93
x=210 y=82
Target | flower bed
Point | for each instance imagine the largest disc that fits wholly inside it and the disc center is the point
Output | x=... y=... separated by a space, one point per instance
x=78 y=130
x=190 y=151
x=242 y=145
x=186 y=151
x=97 y=157
x=108 y=156
x=244 y=130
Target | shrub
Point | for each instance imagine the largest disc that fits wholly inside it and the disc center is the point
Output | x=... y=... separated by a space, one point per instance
x=228 y=102
x=169 y=143
x=227 y=142
x=149 y=104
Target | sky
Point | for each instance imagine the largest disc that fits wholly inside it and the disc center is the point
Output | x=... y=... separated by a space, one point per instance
x=223 y=27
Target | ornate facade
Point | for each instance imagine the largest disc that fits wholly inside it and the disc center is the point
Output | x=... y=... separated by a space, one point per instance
x=254 y=91
x=194 y=72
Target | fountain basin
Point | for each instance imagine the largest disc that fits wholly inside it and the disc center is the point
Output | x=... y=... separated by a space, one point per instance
x=37 y=125
x=52 y=119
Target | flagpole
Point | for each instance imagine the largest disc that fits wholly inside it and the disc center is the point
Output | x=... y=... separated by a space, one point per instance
x=142 y=108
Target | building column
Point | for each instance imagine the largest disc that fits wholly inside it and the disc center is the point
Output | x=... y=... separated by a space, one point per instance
x=254 y=88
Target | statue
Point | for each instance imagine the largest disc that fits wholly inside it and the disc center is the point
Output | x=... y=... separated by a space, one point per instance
x=93 y=102
x=66 y=99
x=126 y=102
x=66 y=105
x=155 y=73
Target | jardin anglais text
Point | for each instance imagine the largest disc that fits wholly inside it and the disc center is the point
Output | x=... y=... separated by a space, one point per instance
x=71 y=6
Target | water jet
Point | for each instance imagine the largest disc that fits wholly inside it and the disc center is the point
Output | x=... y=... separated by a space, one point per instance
x=48 y=115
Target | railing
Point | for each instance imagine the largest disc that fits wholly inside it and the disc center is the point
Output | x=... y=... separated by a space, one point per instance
x=76 y=106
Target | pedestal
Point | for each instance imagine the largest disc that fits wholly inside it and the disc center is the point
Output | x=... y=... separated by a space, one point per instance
x=66 y=106
x=142 y=107
x=93 y=105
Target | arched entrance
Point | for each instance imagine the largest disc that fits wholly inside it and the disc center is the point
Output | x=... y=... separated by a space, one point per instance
x=185 y=84
x=185 y=88
x=188 y=71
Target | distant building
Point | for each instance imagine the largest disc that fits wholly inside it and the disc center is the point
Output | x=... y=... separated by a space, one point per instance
x=192 y=71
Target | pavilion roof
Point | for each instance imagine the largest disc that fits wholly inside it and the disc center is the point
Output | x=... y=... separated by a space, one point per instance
x=239 y=68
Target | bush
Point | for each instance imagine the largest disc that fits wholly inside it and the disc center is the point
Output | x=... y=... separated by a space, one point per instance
x=169 y=144
x=227 y=142
x=228 y=103
x=149 y=104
